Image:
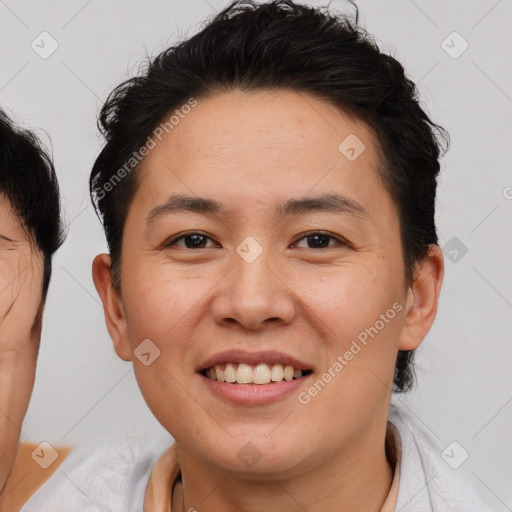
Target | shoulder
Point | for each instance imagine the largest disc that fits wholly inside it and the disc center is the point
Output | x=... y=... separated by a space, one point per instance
x=108 y=474
x=34 y=465
x=427 y=481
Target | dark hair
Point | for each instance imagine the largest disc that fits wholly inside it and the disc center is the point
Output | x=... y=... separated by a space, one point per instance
x=280 y=45
x=28 y=180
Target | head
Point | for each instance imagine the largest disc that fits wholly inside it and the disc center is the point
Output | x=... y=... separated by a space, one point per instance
x=30 y=192
x=30 y=232
x=315 y=158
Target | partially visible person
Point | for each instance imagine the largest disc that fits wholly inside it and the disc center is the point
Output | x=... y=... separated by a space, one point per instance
x=30 y=232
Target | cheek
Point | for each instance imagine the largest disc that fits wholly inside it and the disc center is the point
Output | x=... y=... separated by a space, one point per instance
x=347 y=298
x=158 y=302
x=360 y=310
x=11 y=278
x=160 y=307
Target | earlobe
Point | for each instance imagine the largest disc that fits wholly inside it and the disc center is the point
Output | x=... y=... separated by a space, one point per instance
x=422 y=299
x=112 y=305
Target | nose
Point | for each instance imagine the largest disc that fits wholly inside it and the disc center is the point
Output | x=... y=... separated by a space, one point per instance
x=254 y=293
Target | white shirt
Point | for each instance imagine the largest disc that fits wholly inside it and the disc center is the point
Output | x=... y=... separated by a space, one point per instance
x=111 y=474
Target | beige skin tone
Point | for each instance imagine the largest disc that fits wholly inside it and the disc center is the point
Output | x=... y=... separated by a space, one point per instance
x=21 y=309
x=252 y=152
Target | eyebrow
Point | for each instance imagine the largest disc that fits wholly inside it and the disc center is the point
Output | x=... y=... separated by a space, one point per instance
x=335 y=203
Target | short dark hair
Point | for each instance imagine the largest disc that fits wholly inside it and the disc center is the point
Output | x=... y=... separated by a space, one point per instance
x=274 y=46
x=28 y=180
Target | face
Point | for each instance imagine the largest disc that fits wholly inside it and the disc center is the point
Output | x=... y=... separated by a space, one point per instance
x=21 y=306
x=264 y=272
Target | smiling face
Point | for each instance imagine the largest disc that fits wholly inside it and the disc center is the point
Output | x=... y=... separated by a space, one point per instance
x=258 y=267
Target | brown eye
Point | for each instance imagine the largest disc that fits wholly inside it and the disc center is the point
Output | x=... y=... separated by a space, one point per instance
x=320 y=241
x=191 y=241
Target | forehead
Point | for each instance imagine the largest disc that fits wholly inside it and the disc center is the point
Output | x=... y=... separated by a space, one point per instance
x=247 y=145
x=9 y=220
x=12 y=231
x=288 y=126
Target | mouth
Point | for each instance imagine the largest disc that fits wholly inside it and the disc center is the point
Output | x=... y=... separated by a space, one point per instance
x=260 y=374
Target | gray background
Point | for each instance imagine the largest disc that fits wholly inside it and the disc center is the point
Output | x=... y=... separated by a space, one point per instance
x=464 y=392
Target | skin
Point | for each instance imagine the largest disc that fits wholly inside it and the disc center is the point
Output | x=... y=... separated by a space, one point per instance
x=253 y=151
x=21 y=309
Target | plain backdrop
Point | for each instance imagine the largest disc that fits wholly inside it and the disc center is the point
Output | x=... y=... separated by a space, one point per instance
x=458 y=53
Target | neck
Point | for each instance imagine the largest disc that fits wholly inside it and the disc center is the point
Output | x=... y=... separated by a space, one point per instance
x=356 y=478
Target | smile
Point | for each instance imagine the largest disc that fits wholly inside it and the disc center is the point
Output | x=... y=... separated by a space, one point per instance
x=263 y=373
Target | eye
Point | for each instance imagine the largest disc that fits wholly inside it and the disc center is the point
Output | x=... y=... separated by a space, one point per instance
x=315 y=240
x=320 y=240
x=192 y=241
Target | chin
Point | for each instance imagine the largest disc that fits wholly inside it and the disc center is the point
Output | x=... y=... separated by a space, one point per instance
x=254 y=455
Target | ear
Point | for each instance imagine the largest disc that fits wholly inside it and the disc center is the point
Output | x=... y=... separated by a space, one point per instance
x=422 y=300
x=112 y=305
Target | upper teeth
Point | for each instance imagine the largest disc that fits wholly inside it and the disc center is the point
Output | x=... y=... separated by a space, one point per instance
x=252 y=374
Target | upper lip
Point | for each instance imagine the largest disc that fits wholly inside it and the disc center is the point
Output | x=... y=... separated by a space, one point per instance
x=262 y=356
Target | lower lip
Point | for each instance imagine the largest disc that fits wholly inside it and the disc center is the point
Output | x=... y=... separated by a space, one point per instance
x=254 y=394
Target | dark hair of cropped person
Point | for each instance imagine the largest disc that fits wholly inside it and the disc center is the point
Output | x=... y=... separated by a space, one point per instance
x=281 y=45
x=29 y=182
